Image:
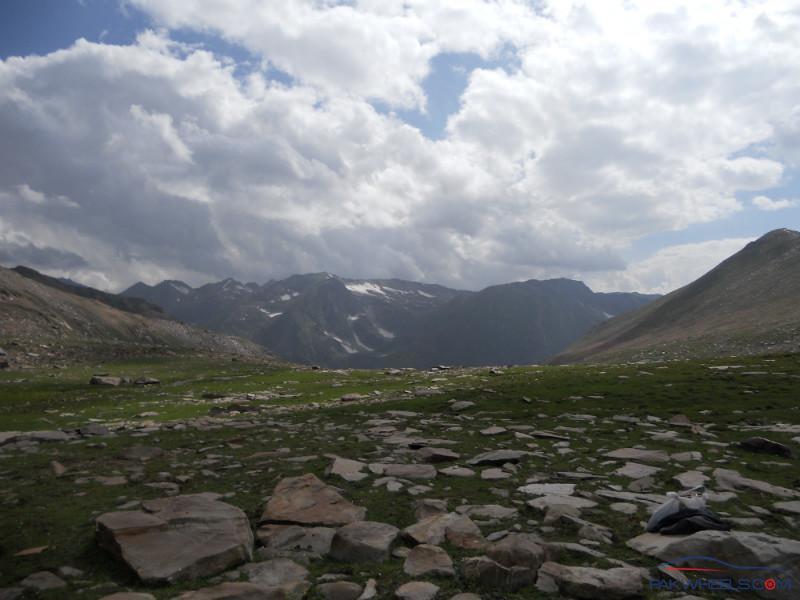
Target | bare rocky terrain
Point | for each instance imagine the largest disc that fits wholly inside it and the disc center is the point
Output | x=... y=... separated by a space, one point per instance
x=246 y=481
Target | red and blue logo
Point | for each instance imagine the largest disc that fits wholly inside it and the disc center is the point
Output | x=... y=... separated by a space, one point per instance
x=706 y=573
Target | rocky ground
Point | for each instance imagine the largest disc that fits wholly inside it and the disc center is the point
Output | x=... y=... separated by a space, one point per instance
x=195 y=480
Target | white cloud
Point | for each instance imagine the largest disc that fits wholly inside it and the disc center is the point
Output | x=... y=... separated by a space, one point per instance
x=669 y=268
x=372 y=49
x=620 y=120
x=28 y=194
x=768 y=204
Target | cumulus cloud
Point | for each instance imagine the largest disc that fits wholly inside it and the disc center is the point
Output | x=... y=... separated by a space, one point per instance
x=159 y=159
x=768 y=204
x=669 y=268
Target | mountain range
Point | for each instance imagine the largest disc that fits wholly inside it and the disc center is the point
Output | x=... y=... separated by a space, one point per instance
x=748 y=304
x=339 y=322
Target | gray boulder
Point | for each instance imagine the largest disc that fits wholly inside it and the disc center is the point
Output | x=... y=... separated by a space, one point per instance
x=428 y=560
x=305 y=500
x=364 y=541
x=417 y=590
x=105 y=380
x=286 y=540
x=340 y=590
x=589 y=583
x=485 y=572
x=178 y=538
x=518 y=550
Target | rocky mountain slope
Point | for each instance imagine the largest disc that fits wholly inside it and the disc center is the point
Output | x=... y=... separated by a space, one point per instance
x=748 y=304
x=43 y=322
x=516 y=323
x=126 y=303
x=334 y=321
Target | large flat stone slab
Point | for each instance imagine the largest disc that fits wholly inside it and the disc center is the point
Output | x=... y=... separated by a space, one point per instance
x=498 y=457
x=648 y=456
x=364 y=541
x=178 y=538
x=548 y=489
x=588 y=583
x=404 y=471
x=728 y=479
x=458 y=530
x=305 y=500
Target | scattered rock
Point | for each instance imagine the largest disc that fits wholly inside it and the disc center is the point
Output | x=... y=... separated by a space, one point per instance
x=428 y=507
x=42 y=581
x=626 y=508
x=340 y=590
x=488 y=573
x=728 y=479
x=349 y=470
x=548 y=489
x=494 y=474
x=105 y=380
x=278 y=575
x=305 y=500
x=518 y=550
x=648 y=456
x=792 y=507
x=417 y=590
x=498 y=457
x=767 y=446
x=32 y=551
x=364 y=541
x=428 y=560
x=691 y=479
x=141 y=453
x=238 y=590
x=458 y=530
x=435 y=455
x=590 y=583
x=370 y=590
x=350 y=397
x=457 y=472
x=403 y=471
x=493 y=430
x=177 y=538
x=461 y=405
x=487 y=511
x=278 y=540
x=636 y=471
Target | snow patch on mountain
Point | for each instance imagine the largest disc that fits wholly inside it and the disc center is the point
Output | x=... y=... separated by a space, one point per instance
x=180 y=287
x=347 y=347
x=387 y=334
x=362 y=344
x=367 y=288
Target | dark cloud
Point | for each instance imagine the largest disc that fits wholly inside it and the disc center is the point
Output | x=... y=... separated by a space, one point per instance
x=12 y=254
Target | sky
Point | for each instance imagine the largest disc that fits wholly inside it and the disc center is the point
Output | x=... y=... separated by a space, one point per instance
x=632 y=145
